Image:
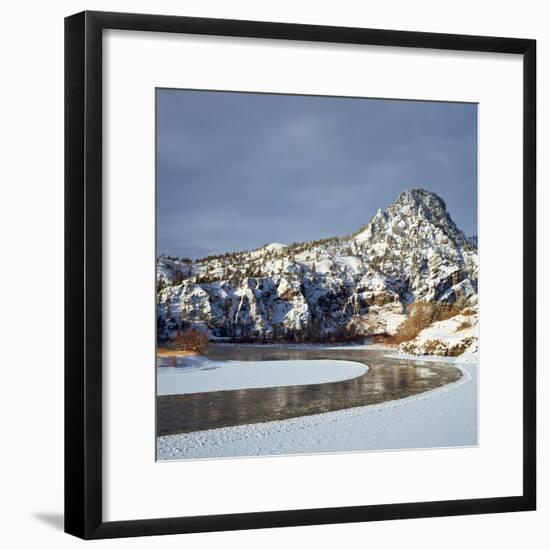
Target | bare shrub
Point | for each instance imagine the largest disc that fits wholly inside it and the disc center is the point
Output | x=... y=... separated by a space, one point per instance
x=191 y=340
x=461 y=347
x=421 y=315
x=382 y=339
x=437 y=347
x=463 y=326
x=434 y=347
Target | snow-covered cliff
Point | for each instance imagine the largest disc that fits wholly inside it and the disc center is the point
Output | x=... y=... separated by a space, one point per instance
x=341 y=286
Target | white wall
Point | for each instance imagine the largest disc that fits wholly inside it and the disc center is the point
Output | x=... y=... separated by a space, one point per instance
x=31 y=218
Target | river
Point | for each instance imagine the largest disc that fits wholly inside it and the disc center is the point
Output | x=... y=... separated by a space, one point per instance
x=387 y=379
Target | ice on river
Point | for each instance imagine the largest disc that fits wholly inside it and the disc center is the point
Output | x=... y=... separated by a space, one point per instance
x=443 y=417
x=202 y=375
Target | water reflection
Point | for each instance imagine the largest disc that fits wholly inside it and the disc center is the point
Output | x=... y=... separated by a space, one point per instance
x=388 y=378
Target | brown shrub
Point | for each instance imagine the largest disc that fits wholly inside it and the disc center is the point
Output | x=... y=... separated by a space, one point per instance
x=382 y=339
x=460 y=348
x=463 y=326
x=422 y=315
x=437 y=347
x=434 y=347
x=191 y=340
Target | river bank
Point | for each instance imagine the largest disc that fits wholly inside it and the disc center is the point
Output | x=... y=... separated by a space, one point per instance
x=401 y=402
x=443 y=417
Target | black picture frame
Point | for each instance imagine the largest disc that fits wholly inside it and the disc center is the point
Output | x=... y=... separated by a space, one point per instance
x=83 y=273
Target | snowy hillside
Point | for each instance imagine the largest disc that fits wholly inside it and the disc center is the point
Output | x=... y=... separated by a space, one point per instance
x=338 y=287
x=452 y=337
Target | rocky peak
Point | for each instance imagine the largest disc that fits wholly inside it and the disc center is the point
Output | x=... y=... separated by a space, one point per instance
x=415 y=212
x=417 y=205
x=415 y=199
x=410 y=251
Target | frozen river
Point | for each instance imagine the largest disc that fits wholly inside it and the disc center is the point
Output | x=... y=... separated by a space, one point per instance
x=239 y=384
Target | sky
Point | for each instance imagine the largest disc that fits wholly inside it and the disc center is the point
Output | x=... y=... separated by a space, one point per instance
x=238 y=170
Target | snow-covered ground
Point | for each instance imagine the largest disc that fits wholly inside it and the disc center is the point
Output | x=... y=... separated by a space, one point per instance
x=203 y=375
x=455 y=336
x=444 y=417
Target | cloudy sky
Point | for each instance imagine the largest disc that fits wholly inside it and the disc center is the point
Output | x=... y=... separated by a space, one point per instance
x=238 y=170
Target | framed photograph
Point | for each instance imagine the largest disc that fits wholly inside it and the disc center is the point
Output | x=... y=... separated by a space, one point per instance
x=300 y=275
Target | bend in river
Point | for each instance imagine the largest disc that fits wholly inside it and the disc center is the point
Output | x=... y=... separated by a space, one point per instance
x=387 y=379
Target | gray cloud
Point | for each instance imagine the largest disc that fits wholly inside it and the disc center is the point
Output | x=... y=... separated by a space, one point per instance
x=237 y=170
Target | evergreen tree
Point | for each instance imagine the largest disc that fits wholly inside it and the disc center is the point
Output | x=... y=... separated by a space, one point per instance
x=161 y=285
x=178 y=277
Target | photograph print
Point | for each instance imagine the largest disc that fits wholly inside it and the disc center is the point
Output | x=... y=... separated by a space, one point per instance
x=316 y=274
